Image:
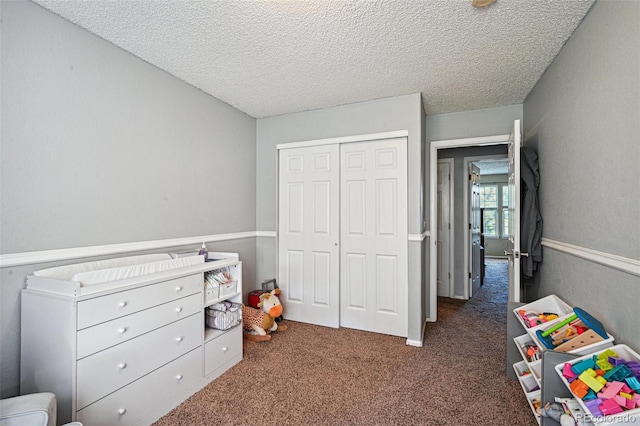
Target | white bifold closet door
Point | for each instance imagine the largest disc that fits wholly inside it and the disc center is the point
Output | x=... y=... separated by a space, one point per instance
x=309 y=234
x=342 y=235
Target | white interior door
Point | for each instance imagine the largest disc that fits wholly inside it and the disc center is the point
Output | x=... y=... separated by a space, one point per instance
x=474 y=229
x=444 y=229
x=513 y=246
x=308 y=234
x=374 y=244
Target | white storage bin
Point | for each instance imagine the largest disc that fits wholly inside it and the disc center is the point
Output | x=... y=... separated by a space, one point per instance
x=229 y=289
x=211 y=293
x=535 y=402
x=523 y=343
x=626 y=417
x=587 y=349
x=548 y=304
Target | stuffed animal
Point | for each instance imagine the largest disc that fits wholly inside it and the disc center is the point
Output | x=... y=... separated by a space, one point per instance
x=259 y=322
x=556 y=412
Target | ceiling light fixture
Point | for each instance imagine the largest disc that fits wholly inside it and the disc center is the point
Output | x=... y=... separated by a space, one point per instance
x=482 y=3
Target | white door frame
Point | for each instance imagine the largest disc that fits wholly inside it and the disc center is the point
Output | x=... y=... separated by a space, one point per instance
x=434 y=146
x=467 y=210
x=451 y=232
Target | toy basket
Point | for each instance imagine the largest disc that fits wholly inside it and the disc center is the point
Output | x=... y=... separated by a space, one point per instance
x=224 y=315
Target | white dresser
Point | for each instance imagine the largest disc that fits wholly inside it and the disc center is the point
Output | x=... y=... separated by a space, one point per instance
x=129 y=354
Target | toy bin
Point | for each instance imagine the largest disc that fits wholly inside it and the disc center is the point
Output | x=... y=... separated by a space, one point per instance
x=619 y=400
x=529 y=349
x=583 y=346
x=223 y=315
x=551 y=304
x=534 y=400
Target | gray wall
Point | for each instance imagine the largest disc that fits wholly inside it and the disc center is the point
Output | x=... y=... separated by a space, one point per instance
x=99 y=147
x=398 y=113
x=583 y=117
x=460 y=227
x=468 y=124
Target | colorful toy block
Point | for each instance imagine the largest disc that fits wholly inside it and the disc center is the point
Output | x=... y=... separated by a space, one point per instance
x=604 y=365
x=579 y=388
x=619 y=373
x=591 y=379
x=610 y=407
x=633 y=383
x=581 y=366
x=610 y=390
x=593 y=405
x=567 y=371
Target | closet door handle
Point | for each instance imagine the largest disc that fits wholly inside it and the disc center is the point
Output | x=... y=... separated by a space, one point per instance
x=179 y=288
x=179 y=339
x=122 y=304
x=122 y=365
x=122 y=330
x=122 y=411
x=179 y=377
x=178 y=310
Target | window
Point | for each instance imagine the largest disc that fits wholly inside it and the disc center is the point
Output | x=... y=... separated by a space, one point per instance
x=489 y=202
x=504 y=190
x=494 y=199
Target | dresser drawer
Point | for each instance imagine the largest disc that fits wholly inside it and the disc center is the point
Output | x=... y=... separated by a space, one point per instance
x=111 y=333
x=133 y=403
x=222 y=349
x=105 y=308
x=113 y=368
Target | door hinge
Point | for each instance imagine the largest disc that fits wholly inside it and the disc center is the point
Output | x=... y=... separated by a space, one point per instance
x=469 y=177
x=469 y=275
x=469 y=226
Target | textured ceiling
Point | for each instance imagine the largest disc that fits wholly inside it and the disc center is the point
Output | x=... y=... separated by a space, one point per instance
x=493 y=167
x=274 y=57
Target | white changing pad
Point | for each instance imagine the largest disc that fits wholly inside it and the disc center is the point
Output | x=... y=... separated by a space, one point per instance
x=102 y=271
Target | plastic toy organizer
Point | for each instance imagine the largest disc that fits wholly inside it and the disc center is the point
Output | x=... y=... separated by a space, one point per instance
x=534 y=317
x=606 y=384
x=224 y=315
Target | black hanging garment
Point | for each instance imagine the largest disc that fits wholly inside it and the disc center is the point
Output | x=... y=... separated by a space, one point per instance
x=531 y=220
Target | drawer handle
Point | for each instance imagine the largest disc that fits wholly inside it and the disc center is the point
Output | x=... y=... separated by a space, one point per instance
x=122 y=330
x=179 y=339
x=122 y=304
x=225 y=349
x=179 y=288
x=122 y=411
x=179 y=377
x=178 y=310
x=122 y=365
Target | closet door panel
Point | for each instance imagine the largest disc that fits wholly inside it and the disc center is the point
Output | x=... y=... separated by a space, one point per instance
x=373 y=201
x=308 y=233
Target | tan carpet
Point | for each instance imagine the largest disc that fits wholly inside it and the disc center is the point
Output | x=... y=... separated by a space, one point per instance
x=312 y=375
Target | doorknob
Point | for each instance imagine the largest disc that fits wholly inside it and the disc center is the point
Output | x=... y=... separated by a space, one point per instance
x=517 y=253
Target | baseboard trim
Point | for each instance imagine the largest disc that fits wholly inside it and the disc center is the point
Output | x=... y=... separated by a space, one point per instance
x=624 y=264
x=34 y=257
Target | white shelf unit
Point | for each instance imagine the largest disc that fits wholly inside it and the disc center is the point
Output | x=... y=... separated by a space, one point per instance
x=524 y=335
x=129 y=353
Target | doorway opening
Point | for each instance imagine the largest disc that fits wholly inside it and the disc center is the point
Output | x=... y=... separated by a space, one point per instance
x=462 y=262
